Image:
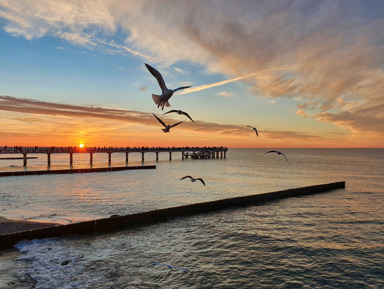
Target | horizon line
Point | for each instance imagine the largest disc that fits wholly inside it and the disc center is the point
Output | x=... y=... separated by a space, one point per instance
x=210 y=146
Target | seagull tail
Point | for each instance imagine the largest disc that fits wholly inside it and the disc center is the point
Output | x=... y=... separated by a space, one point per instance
x=160 y=103
x=156 y=99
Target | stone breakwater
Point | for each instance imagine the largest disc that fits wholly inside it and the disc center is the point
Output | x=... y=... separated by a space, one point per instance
x=133 y=220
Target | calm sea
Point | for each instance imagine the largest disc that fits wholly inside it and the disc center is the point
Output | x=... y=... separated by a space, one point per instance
x=331 y=240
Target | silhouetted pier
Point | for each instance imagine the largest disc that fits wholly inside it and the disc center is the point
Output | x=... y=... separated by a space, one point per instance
x=186 y=152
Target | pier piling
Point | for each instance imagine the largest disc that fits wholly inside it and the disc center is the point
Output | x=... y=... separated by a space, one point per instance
x=24 y=160
x=109 y=158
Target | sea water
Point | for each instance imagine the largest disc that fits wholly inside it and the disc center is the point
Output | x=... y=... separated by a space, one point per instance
x=331 y=240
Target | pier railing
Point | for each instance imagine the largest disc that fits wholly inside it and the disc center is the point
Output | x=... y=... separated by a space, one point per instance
x=193 y=152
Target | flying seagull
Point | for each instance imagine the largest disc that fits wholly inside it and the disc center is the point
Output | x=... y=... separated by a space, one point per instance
x=255 y=129
x=277 y=152
x=171 y=267
x=166 y=94
x=166 y=127
x=193 y=179
x=180 y=112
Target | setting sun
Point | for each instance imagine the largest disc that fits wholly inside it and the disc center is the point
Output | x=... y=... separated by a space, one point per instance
x=81 y=145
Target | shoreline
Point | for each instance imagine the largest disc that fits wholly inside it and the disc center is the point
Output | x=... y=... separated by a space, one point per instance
x=9 y=226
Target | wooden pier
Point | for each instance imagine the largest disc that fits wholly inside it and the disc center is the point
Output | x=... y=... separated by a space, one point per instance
x=186 y=152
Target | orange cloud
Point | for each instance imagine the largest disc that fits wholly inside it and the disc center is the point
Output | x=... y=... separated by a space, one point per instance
x=31 y=121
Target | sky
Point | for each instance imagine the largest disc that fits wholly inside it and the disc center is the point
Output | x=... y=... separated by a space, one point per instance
x=306 y=74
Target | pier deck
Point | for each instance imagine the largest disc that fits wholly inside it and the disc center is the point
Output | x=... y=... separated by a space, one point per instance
x=194 y=152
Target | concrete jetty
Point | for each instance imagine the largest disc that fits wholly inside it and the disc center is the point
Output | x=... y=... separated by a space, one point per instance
x=134 y=220
x=74 y=171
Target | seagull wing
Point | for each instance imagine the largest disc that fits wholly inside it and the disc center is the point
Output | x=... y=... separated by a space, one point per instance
x=285 y=157
x=161 y=264
x=186 y=177
x=177 y=123
x=256 y=131
x=158 y=76
x=162 y=122
x=171 y=267
x=173 y=110
x=200 y=179
x=182 y=87
x=249 y=126
x=178 y=268
x=187 y=115
x=271 y=152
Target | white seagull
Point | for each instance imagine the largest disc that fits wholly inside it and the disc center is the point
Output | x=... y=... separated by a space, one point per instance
x=166 y=127
x=180 y=112
x=171 y=267
x=277 y=152
x=255 y=129
x=166 y=94
x=193 y=179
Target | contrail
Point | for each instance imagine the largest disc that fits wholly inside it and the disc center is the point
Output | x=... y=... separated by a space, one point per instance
x=206 y=86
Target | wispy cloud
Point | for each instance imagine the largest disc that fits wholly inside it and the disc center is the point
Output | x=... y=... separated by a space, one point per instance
x=86 y=24
x=124 y=48
x=80 y=39
x=181 y=71
x=362 y=119
x=35 y=110
x=29 y=106
x=225 y=94
x=8 y=103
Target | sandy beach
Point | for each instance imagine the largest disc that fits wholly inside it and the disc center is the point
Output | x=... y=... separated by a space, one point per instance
x=13 y=226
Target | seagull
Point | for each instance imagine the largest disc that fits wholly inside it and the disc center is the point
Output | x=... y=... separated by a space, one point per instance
x=193 y=179
x=171 y=267
x=166 y=94
x=277 y=152
x=180 y=112
x=166 y=127
x=255 y=129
